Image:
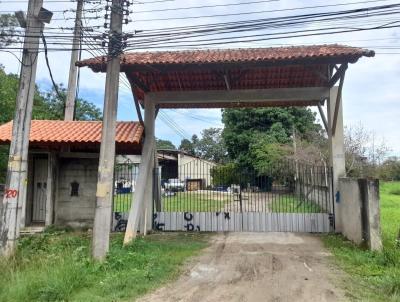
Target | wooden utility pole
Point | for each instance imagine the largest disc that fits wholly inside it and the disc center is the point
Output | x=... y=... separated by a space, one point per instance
x=15 y=189
x=72 y=81
x=105 y=184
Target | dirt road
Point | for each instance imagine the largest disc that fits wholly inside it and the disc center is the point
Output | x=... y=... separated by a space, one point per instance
x=257 y=267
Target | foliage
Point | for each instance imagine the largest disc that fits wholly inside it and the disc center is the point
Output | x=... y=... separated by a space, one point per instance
x=267 y=151
x=46 y=105
x=55 y=103
x=56 y=266
x=375 y=276
x=390 y=169
x=188 y=146
x=209 y=147
x=8 y=23
x=225 y=175
x=247 y=130
x=164 y=144
x=363 y=152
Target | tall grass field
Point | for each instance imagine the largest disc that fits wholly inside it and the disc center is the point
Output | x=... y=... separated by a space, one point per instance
x=374 y=276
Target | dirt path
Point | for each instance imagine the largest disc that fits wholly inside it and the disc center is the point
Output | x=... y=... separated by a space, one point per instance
x=257 y=267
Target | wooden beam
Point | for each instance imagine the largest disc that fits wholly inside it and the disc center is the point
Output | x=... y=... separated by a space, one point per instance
x=339 y=73
x=134 y=81
x=241 y=96
x=337 y=104
x=138 y=112
x=322 y=114
x=135 y=100
x=226 y=79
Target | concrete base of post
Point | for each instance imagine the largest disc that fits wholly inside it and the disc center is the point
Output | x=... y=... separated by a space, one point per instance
x=358 y=211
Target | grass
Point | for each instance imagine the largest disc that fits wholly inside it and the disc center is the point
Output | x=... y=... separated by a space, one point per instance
x=55 y=266
x=181 y=202
x=291 y=204
x=194 y=202
x=122 y=202
x=374 y=276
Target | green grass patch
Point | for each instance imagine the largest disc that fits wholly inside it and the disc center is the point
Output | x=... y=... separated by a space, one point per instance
x=291 y=204
x=194 y=202
x=56 y=266
x=123 y=202
x=375 y=276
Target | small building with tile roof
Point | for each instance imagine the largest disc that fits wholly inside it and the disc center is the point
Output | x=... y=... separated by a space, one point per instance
x=63 y=168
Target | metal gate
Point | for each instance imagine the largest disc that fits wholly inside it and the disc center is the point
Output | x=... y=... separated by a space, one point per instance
x=125 y=175
x=285 y=197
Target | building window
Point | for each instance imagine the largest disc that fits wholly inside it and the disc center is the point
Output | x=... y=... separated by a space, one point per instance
x=74 y=188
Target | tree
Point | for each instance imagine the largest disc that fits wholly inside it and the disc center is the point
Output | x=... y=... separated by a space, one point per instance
x=55 y=104
x=247 y=130
x=211 y=146
x=363 y=152
x=187 y=146
x=8 y=23
x=390 y=169
x=165 y=144
x=47 y=105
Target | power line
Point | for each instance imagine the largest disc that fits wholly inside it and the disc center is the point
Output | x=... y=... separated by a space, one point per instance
x=258 y=11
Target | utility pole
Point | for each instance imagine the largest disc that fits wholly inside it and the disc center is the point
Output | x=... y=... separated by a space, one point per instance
x=15 y=189
x=105 y=184
x=72 y=81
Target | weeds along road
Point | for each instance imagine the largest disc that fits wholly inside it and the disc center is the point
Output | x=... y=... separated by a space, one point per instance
x=257 y=267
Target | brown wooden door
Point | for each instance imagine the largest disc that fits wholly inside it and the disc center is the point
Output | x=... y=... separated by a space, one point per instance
x=39 y=190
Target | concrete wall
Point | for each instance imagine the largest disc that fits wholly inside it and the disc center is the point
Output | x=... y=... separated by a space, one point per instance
x=76 y=211
x=357 y=211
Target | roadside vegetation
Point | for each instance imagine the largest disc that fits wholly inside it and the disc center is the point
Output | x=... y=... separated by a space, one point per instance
x=56 y=266
x=375 y=276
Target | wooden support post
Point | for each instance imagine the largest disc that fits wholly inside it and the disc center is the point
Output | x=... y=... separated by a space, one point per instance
x=105 y=184
x=337 y=104
x=322 y=114
x=339 y=73
x=14 y=199
x=72 y=81
x=336 y=149
x=141 y=201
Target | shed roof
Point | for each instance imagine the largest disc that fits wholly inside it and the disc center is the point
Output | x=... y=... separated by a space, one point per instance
x=231 y=69
x=81 y=134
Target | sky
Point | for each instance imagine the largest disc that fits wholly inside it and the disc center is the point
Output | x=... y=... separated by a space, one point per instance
x=371 y=94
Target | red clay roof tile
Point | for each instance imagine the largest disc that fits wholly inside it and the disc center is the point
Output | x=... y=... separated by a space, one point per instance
x=234 y=55
x=87 y=132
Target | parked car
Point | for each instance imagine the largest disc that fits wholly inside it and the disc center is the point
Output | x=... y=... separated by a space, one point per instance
x=174 y=184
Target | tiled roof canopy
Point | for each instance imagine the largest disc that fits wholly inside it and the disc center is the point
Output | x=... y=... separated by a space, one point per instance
x=81 y=135
x=253 y=68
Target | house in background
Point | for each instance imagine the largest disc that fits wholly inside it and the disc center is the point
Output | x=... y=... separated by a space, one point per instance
x=192 y=170
x=63 y=167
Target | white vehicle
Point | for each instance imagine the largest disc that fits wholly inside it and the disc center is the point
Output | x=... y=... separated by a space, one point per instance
x=174 y=184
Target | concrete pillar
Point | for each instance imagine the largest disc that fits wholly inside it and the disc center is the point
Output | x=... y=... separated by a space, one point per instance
x=51 y=185
x=149 y=123
x=336 y=150
x=372 y=215
x=142 y=205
